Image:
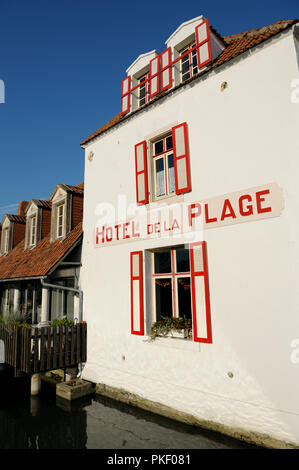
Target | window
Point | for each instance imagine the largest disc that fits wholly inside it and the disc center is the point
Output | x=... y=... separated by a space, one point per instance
x=172 y=283
x=168 y=157
x=32 y=231
x=60 y=220
x=178 y=287
x=188 y=62
x=62 y=301
x=143 y=90
x=163 y=167
x=6 y=240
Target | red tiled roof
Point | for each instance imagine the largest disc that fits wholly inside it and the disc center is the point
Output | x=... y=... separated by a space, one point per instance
x=44 y=204
x=38 y=261
x=19 y=219
x=78 y=189
x=236 y=45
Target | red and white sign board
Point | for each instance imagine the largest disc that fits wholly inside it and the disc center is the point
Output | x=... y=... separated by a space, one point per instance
x=165 y=221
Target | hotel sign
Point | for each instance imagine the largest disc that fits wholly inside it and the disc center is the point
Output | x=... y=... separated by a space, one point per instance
x=187 y=219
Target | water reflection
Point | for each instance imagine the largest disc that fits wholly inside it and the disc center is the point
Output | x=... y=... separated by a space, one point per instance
x=37 y=423
x=94 y=422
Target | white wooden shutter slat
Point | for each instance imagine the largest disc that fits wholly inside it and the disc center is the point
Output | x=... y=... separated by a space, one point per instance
x=126 y=95
x=136 y=273
x=181 y=158
x=166 y=69
x=141 y=173
x=203 y=44
x=201 y=315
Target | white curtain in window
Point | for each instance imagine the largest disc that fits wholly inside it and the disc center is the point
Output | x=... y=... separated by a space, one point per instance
x=160 y=179
x=171 y=174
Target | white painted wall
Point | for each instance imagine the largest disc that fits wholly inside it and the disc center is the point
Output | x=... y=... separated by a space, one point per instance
x=243 y=137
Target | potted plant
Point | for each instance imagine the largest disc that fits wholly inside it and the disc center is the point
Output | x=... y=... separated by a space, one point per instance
x=180 y=327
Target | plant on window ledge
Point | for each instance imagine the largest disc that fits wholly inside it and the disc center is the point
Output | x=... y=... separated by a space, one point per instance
x=169 y=325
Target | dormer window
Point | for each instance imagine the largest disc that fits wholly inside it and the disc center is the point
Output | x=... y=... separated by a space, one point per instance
x=60 y=220
x=188 y=62
x=191 y=47
x=67 y=207
x=32 y=231
x=143 y=90
x=5 y=244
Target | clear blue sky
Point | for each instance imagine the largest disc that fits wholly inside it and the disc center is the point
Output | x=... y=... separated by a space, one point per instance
x=62 y=62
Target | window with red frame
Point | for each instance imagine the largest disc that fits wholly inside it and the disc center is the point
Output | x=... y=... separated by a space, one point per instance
x=180 y=288
x=172 y=283
x=163 y=167
x=169 y=167
x=189 y=66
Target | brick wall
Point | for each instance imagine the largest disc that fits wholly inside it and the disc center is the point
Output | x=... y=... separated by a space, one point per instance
x=77 y=210
x=18 y=233
x=46 y=222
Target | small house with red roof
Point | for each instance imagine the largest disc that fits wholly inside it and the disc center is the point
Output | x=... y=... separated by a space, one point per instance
x=40 y=258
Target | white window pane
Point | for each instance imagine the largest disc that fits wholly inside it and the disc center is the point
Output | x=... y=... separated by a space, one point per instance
x=160 y=177
x=171 y=179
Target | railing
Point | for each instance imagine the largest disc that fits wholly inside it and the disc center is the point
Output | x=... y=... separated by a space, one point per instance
x=32 y=350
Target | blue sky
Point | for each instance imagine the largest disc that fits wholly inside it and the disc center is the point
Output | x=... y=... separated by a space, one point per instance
x=62 y=62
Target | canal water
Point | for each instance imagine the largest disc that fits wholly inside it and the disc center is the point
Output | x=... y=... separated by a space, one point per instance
x=94 y=422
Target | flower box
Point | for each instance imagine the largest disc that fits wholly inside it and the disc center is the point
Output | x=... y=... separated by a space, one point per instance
x=172 y=327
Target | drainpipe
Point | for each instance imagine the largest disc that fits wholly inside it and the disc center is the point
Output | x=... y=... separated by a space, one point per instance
x=70 y=289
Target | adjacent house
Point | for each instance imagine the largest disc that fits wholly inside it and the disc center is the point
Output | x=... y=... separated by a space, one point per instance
x=190 y=212
x=40 y=258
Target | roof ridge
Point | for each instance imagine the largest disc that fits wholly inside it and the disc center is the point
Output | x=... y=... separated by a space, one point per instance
x=261 y=29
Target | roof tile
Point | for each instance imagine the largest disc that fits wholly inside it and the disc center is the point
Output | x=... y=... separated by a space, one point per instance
x=37 y=261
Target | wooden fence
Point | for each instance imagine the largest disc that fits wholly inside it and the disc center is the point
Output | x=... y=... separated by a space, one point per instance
x=32 y=350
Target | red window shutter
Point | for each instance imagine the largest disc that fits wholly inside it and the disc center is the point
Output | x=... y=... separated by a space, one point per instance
x=203 y=44
x=201 y=316
x=181 y=159
x=166 y=79
x=126 y=95
x=154 y=87
x=136 y=270
x=141 y=173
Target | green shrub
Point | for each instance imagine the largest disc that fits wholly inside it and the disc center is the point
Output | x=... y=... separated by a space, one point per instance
x=62 y=322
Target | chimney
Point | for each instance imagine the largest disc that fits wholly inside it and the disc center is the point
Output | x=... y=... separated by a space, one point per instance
x=22 y=208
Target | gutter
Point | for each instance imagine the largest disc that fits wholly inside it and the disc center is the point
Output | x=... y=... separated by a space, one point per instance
x=69 y=289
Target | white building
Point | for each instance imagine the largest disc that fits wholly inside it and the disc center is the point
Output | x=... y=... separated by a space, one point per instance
x=209 y=129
